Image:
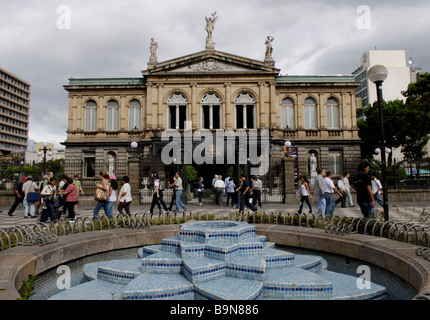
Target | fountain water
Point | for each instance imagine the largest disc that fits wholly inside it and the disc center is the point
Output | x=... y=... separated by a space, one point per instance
x=218 y=260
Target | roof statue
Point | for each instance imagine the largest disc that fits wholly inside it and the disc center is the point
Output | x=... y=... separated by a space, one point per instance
x=210 y=25
x=269 y=51
x=153 y=49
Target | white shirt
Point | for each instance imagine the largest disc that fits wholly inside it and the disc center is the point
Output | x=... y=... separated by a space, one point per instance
x=341 y=185
x=219 y=184
x=304 y=190
x=376 y=185
x=346 y=182
x=127 y=189
x=328 y=185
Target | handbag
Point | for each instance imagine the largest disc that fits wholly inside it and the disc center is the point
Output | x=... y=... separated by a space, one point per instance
x=100 y=195
x=33 y=197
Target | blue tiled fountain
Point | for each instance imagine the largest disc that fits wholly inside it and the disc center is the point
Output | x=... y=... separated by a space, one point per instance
x=216 y=260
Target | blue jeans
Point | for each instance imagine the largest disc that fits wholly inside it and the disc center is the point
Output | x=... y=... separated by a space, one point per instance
x=109 y=208
x=330 y=205
x=366 y=209
x=378 y=199
x=99 y=205
x=321 y=205
x=29 y=206
x=178 y=201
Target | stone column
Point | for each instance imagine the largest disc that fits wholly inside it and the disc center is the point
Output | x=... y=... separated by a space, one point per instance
x=133 y=173
x=228 y=112
x=290 y=192
x=160 y=109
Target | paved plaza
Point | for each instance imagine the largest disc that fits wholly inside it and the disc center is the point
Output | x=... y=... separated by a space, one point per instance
x=400 y=212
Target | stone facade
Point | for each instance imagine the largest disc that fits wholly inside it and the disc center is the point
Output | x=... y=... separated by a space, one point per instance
x=213 y=90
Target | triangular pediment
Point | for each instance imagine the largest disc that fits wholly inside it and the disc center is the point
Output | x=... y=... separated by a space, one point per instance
x=210 y=62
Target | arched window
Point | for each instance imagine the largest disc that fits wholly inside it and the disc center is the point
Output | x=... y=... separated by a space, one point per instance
x=310 y=113
x=332 y=114
x=177 y=114
x=288 y=114
x=211 y=111
x=245 y=111
x=112 y=116
x=134 y=114
x=91 y=116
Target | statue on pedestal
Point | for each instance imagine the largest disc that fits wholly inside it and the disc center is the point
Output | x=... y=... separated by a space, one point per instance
x=153 y=49
x=210 y=26
x=269 y=51
x=313 y=167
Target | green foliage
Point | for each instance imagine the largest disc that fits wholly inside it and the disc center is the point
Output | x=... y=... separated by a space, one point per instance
x=27 y=288
x=369 y=129
x=191 y=173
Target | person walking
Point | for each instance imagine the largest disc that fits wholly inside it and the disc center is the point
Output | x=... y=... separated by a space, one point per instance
x=238 y=196
x=157 y=196
x=19 y=196
x=125 y=198
x=256 y=191
x=342 y=189
x=305 y=195
x=363 y=187
x=230 y=191
x=219 y=189
x=244 y=195
x=62 y=186
x=214 y=180
x=48 y=196
x=200 y=190
x=348 y=189
x=71 y=194
x=319 y=192
x=29 y=204
x=173 y=199
x=179 y=188
x=113 y=197
x=329 y=189
x=376 y=189
x=103 y=185
x=78 y=185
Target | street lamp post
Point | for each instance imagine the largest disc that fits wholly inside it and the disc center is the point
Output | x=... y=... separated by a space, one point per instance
x=40 y=153
x=377 y=74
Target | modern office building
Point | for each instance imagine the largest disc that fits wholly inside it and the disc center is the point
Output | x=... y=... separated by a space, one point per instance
x=399 y=77
x=14 y=113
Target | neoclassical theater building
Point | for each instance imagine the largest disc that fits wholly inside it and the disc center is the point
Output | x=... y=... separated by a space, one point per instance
x=212 y=90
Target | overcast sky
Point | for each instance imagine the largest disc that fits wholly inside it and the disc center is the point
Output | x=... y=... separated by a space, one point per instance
x=110 y=38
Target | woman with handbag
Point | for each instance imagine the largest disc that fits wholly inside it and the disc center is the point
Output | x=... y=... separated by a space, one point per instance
x=31 y=196
x=71 y=198
x=48 y=195
x=102 y=195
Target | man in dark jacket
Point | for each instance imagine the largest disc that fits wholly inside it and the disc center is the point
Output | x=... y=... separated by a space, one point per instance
x=19 y=196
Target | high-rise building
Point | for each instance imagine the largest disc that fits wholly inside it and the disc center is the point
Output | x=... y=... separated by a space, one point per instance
x=399 y=77
x=14 y=113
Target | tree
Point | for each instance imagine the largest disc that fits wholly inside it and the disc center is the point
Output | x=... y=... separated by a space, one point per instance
x=369 y=128
x=415 y=129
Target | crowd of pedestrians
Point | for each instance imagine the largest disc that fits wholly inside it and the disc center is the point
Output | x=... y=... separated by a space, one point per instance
x=60 y=199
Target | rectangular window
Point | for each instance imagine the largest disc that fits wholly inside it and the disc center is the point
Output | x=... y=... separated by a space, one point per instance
x=134 y=118
x=90 y=119
x=112 y=119
x=288 y=117
x=335 y=162
x=89 y=164
x=310 y=117
x=332 y=117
